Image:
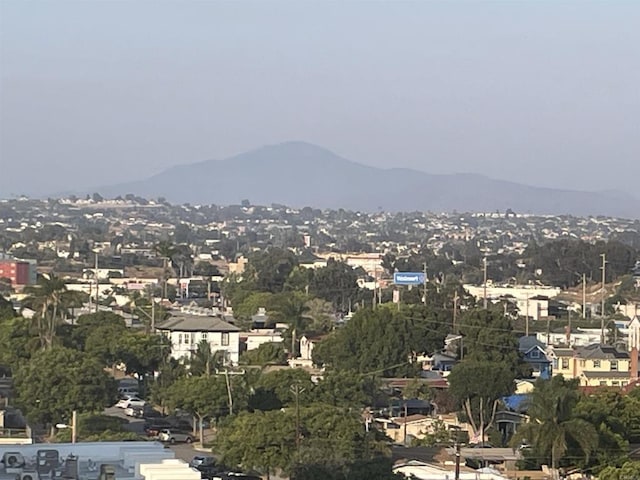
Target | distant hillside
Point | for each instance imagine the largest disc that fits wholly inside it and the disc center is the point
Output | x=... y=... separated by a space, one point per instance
x=300 y=174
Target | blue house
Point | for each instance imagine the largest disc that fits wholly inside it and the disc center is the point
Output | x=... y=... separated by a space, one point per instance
x=534 y=353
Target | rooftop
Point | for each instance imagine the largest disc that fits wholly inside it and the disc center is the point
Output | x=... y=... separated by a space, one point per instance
x=196 y=323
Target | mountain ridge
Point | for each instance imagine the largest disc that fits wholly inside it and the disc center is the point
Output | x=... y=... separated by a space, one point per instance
x=301 y=174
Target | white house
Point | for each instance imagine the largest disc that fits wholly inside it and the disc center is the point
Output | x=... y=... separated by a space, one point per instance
x=257 y=337
x=187 y=331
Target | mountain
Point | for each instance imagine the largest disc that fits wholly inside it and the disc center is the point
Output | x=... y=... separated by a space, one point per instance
x=300 y=174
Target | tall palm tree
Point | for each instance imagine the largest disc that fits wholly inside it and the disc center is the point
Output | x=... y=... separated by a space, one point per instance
x=165 y=250
x=50 y=299
x=552 y=423
x=204 y=361
x=292 y=309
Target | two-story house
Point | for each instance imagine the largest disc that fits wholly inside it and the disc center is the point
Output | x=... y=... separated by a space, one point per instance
x=534 y=353
x=595 y=365
x=186 y=331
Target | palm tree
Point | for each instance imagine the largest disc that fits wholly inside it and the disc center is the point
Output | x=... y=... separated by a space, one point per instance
x=50 y=299
x=292 y=309
x=165 y=250
x=203 y=360
x=552 y=423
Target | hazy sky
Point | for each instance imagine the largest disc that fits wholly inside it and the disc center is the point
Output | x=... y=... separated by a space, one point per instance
x=540 y=92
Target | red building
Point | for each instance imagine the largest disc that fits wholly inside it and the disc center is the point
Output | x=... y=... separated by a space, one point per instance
x=17 y=271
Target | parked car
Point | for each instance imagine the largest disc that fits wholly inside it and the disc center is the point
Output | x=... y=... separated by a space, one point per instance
x=135 y=412
x=131 y=401
x=154 y=426
x=128 y=392
x=175 y=436
x=198 y=461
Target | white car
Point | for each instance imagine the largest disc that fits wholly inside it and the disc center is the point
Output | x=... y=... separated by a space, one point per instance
x=127 y=402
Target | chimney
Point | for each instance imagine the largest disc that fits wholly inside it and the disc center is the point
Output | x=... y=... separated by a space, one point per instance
x=633 y=364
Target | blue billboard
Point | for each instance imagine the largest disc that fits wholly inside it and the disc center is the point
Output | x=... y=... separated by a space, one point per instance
x=408 y=278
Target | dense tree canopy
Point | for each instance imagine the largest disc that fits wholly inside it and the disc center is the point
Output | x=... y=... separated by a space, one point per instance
x=59 y=380
x=384 y=340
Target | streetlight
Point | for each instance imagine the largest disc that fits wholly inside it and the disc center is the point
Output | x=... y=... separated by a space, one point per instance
x=73 y=426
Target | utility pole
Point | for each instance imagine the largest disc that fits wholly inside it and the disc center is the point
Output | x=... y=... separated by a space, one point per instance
x=229 y=395
x=153 y=314
x=584 y=296
x=97 y=283
x=457 y=474
x=297 y=390
x=604 y=277
x=405 y=423
x=74 y=426
x=484 y=294
x=424 y=289
x=527 y=317
x=455 y=310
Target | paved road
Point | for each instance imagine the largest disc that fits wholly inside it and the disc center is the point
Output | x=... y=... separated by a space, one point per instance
x=183 y=451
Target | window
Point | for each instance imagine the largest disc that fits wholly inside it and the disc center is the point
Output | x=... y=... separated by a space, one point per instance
x=204 y=335
x=565 y=363
x=596 y=364
x=603 y=383
x=187 y=338
x=615 y=383
x=535 y=353
x=179 y=339
x=614 y=365
x=225 y=339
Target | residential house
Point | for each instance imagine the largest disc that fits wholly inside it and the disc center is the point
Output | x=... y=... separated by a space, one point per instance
x=534 y=353
x=254 y=338
x=536 y=307
x=595 y=365
x=305 y=357
x=440 y=362
x=186 y=331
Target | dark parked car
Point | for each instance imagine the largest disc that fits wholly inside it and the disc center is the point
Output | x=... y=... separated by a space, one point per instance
x=155 y=426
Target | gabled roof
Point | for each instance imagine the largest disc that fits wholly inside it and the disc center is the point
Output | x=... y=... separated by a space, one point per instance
x=598 y=351
x=528 y=343
x=196 y=324
x=616 y=374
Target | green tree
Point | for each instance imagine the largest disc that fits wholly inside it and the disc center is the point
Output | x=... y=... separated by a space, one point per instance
x=203 y=397
x=6 y=309
x=57 y=381
x=143 y=354
x=17 y=342
x=270 y=268
x=165 y=250
x=384 y=340
x=266 y=354
x=204 y=361
x=280 y=383
x=260 y=440
x=478 y=386
x=605 y=411
x=553 y=422
x=332 y=439
x=489 y=337
x=629 y=471
x=343 y=388
x=49 y=299
x=291 y=308
x=335 y=283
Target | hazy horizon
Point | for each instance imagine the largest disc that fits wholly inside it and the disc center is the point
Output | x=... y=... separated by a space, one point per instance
x=543 y=93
